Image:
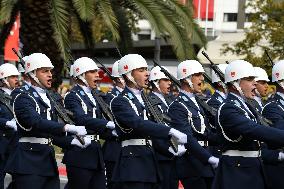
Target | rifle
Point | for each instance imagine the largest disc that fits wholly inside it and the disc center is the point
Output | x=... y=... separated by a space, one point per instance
x=6 y=99
x=259 y=117
x=270 y=60
x=61 y=111
x=198 y=98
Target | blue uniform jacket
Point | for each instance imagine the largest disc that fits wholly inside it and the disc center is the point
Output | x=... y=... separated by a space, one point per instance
x=194 y=161
x=239 y=130
x=112 y=145
x=83 y=109
x=8 y=136
x=31 y=158
x=161 y=146
x=136 y=163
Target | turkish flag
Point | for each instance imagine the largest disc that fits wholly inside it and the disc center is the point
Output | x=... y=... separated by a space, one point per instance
x=12 y=41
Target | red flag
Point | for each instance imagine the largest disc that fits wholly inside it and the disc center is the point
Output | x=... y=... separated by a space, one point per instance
x=12 y=41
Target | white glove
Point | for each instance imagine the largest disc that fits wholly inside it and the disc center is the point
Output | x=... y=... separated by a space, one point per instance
x=12 y=124
x=114 y=133
x=179 y=136
x=76 y=142
x=110 y=125
x=213 y=161
x=171 y=150
x=77 y=130
x=181 y=150
x=281 y=156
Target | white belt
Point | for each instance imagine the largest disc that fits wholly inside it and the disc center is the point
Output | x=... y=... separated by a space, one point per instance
x=35 y=140
x=203 y=143
x=93 y=137
x=136 y=142
x=242 y=153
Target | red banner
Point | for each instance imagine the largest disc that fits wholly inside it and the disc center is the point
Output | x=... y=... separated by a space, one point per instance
x=12 y=41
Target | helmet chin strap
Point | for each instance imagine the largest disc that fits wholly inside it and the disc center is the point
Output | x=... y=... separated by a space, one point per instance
x=7 y=83
x=82 y=78
x=189 y=82
x=224 y=87
x=239 y=89
x=156 y=83
x=33 y=75
x=129 y=76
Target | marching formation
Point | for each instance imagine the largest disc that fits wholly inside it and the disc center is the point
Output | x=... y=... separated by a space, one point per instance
x=140 y=135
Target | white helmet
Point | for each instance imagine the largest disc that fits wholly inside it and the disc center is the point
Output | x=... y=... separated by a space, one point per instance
x=278 y=71
x=261 y=74
x=131 y=62
x=37 y=60
x=215 y=77
x=82 y=65
x=7 y=70
x=115 y=72
x=238 y=69
x=157 y=74
x=188 y=68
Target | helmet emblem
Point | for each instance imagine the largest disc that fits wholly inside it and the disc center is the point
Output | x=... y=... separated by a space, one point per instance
x=277 y=74
x=77 y=70
x=28 y=65
x=233 y=74
x=125 y=67
x=184 y=70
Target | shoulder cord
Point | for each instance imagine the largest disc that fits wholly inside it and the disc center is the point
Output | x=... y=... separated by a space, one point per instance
x=37 y=110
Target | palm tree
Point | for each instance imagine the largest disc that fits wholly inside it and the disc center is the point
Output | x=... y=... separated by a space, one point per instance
x=45 y=24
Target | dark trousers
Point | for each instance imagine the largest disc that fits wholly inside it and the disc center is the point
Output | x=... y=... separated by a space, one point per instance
x=169 y=177
x=79 y=178
x=196 y=183
x=109 y=165
x=2 y=172
x=35 y=181
x=136 y=185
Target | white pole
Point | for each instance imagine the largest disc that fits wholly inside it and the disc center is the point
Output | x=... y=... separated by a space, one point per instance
x=206 y=18
x=199 y=9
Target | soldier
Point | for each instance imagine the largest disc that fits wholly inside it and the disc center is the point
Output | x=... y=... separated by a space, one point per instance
x=112 y=146
x=273 y=155
x=136 y=167
x=161 y=86
x=8 y=137
x=85 y=167
x=261 y=87
x=32 y=162
x=193 y=168
x=240 y=165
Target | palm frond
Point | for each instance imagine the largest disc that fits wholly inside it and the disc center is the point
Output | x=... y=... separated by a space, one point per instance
x=60 y=22
x=149 y=10
x=6 y=8
x=105 y=11
x=85 y=9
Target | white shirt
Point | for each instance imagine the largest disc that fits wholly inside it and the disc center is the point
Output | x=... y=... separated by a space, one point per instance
x=88 y=91
x=221 y=93
x=6 y=90
x=119 y=88
x=191 y=96
x=42 y=94
x=161 y=97
x=259 y=101
x=137 y=93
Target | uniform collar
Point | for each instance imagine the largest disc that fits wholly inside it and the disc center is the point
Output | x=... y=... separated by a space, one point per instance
x=161 y=97
x=6 y=90
x=39 y=90
x=86 y=89
x=27 y=83
x=238 y=97
x=281 y=95
x=258 y=100
x=221 y=94
x=188 y=94
x=135 y=91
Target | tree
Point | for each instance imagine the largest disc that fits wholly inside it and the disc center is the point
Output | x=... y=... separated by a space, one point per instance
x=266 y=33
x=46 y=24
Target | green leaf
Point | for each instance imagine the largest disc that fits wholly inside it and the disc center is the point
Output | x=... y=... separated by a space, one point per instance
x=6 y=8
x=85 y=9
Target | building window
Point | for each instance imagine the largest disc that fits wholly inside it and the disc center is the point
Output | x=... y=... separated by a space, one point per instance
x=230 y=17
x=144 y=36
